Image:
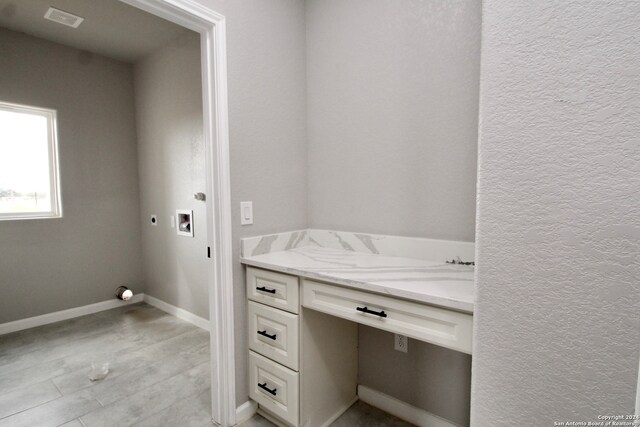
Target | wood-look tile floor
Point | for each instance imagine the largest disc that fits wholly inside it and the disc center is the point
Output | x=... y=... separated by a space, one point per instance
x=358 y=415
x=158 y=375
x=159 y=372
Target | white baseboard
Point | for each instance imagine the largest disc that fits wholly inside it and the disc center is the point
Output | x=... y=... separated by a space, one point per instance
x=271 y=418
x=339 y=413
x=45 y=319
x=246 y=411
x=280 y=423
x=177 y=312
x=402 y=410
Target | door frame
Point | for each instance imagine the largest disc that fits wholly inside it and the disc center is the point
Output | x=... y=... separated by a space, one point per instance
x=212 y=28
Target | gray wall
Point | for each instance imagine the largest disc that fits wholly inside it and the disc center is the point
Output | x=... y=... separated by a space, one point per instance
x=392 y=116
x=428 y=376
x=557 y=331
x=392 y=134
x=168 y=98
x=48 y=265
x=267 y=119
x=267 y=102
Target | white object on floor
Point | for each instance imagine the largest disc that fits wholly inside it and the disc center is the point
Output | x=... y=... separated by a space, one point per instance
x=99 y=371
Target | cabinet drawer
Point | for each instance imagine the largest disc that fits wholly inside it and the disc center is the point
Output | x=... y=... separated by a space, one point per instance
x=274 y=387
x=274 y=289
x=274 y=333
x=443 y=327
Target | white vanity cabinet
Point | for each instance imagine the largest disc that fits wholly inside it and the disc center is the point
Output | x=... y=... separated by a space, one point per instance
x=303 y=341
x=446 y=328
x=302 y=364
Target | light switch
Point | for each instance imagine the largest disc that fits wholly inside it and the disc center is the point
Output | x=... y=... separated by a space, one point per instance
x=246 y=213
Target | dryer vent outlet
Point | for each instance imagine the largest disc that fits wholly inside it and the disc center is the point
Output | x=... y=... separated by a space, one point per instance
x=123 y=293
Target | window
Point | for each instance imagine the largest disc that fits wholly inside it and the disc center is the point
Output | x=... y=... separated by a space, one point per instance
x=29 y=185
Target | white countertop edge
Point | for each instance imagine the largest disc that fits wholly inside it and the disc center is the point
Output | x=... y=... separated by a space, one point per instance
x=375 y=244
x=466 y=307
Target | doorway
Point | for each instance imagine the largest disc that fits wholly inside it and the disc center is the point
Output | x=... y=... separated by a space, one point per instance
x=211 y=27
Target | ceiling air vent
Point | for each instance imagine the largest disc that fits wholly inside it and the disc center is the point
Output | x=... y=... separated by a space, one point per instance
x=62 y=17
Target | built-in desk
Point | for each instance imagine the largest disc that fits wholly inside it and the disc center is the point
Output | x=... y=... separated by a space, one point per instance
x=304 y=305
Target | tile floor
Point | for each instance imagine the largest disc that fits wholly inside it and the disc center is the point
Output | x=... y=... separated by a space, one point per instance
x=159 y=375
x=359 y=415
x=159 y=372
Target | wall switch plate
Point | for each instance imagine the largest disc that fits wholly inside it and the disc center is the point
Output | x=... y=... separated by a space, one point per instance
x=401 y=343
x=154 y=219
x=246 y=213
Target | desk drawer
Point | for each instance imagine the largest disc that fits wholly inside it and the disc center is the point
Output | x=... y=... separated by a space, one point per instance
x=443 y=327
x=274 y=387
x=274 y=333
x=275 y=289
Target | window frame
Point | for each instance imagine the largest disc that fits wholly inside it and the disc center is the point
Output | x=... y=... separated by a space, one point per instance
x=54 y=177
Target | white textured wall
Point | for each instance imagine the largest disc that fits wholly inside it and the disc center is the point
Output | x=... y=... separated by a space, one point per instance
x=557 y=321
x=392 y=116
x=48 y=265
x=171 y=161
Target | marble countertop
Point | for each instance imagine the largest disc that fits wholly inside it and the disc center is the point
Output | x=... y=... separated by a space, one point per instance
x=431 y=282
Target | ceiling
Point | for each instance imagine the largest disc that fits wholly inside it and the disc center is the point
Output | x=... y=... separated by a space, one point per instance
x=110 y=28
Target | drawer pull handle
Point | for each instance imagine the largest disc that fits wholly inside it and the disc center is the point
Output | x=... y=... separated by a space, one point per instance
x=265 y=334
x=265 y=289
x=267 y=389
x=377 y=313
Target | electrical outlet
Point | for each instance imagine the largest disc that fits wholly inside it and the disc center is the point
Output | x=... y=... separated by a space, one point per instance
x=401 y=343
